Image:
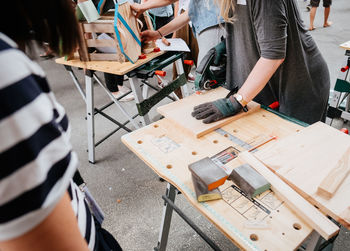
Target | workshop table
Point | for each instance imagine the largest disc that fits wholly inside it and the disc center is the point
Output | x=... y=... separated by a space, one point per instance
x=263 y=223
x=141 y=70
x=341 y=91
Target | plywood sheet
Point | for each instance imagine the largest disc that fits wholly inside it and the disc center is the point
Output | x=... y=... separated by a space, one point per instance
x=305 y=158
x=180 y=112
x=169 y=149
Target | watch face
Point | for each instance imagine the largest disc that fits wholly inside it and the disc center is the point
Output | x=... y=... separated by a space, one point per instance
x=239 y=97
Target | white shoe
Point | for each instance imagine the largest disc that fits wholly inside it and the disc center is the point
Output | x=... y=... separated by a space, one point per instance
x=122 y=90
x=190 y=78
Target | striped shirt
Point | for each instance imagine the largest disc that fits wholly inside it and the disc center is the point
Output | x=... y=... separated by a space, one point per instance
x=36 y=158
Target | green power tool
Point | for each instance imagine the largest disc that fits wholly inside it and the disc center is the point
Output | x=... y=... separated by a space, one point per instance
x=211 y=72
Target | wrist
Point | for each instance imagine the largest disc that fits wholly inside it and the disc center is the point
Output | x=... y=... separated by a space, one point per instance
x=240 y=99
x=160 y=34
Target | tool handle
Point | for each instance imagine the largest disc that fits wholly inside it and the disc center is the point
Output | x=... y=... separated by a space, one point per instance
x=165 y=41
x=160 y=73
x=188 y=62
x=345 y=68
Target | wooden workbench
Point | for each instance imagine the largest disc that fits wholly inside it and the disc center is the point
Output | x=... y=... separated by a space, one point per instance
x=168 y=150
x=118 y=69
x=112 y=67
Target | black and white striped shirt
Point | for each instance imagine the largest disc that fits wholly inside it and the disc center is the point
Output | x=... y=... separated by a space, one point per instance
x=36 y=158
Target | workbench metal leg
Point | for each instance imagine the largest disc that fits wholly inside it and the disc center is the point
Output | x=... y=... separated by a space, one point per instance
x=90 y=111
x=116 y=101
x=135 y=85
x=314 y=242
x=166 y=219
x=76 y=81
x=145 y=89
x=180 y=70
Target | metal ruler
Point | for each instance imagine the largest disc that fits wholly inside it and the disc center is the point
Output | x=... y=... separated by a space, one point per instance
x=234 y=139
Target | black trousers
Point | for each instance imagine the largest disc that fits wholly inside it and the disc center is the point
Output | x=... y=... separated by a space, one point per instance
x=112 y=81
x=104 y=240
x=161 y=21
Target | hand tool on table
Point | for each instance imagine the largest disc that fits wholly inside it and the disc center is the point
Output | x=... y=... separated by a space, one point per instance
x=249 y=180
x=208 y=172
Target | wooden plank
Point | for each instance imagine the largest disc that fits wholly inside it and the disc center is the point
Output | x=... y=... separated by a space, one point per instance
x=108 y=66
x=180 y=112
x=335 y=177
x=169 y=149
x=101 y=43
x=304 y=159
x=104 y=57
x=131 y=47
x=83 y=50
x=346 y=45
x=307 y=211
x=99 y=27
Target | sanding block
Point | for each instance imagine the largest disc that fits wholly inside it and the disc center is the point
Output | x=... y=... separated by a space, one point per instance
x=249 y=181
x=208 y=172
x=202 y=193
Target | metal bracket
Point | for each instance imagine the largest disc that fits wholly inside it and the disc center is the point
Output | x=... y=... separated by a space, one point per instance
x=145 y=106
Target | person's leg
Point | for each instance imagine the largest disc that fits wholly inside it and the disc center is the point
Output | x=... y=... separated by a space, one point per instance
x=314 y=4
x=113 y=81
x=209 y=38
x=327 y=9
x=114 y=84
x=326 y=15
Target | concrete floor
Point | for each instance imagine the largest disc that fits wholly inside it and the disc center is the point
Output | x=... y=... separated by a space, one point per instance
x=128 y=191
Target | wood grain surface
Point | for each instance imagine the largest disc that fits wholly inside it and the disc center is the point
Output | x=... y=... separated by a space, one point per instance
x=305 y=158
x=108 y=66
x=169 y=149
x=180 y=112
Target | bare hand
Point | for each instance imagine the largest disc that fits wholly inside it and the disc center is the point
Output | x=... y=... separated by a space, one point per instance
x=138 y=8
x=149 y=35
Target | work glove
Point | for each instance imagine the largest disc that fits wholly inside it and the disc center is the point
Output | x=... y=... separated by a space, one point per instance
x=216 y=110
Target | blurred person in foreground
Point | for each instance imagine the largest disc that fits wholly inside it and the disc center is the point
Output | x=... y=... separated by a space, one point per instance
x=41 y=208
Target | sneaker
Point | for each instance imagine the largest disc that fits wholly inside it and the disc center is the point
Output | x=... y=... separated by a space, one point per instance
x=122 y=90
x=190 y=78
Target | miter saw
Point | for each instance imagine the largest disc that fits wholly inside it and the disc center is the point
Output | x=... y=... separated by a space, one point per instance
x=211 y=72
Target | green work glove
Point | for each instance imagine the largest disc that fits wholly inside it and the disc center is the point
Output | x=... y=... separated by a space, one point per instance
x=216 y=110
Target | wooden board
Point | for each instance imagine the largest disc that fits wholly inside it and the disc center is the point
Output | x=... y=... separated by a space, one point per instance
x=336 y=176
x=307 y=211
x=346 y=45
x=131 y=47
x=108 y=66
x=169 y=149
x=305 y=159
x=180 y=112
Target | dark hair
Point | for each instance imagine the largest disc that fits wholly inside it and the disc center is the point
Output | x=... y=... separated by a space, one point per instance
x=51 y=21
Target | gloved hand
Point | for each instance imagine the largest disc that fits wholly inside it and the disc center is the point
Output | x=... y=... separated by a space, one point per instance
x=216 y=110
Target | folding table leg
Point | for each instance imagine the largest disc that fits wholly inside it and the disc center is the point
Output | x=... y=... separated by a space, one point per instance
x=116 y=102
x=180 y=70
x=166 y=219
x=76 y=81
x=90 y=115
x=135 y=85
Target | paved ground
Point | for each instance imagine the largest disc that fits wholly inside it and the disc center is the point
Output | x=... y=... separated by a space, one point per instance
x=120 y=175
